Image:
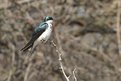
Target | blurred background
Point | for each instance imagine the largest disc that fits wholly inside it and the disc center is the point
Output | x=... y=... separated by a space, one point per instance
x=84 y=32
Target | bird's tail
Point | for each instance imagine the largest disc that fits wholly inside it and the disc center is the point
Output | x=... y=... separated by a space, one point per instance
x=27 y=46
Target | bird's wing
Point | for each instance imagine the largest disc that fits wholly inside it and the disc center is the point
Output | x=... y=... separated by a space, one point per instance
x=37 y=32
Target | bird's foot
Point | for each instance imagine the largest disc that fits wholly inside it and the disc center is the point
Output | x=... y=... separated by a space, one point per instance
x=43 y=41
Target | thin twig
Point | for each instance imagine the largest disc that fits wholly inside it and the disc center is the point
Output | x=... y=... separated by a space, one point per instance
x=118 y=26
x=75 y=79
x=10 y=75
x=61 y=65
x=13 y=62
x=27 y=72
x=28 y=59
x=60 y=61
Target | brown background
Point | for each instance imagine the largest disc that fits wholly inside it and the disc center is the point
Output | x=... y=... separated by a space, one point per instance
x=84 y=32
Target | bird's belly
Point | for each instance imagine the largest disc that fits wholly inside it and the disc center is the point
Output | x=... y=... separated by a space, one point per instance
x=45 y=36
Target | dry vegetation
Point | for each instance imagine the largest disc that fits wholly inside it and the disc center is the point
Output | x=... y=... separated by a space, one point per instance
x=84 y=31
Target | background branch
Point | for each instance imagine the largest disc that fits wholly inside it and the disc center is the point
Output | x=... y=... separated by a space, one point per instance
x=118 y=26
x=61 y=65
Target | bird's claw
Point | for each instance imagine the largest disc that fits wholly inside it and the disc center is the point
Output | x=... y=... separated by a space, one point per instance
x=43 y=41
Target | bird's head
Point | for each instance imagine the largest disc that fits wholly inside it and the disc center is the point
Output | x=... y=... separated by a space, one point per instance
x=48 y=18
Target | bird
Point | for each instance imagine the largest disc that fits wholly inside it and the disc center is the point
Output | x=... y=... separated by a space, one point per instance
x=40 y=34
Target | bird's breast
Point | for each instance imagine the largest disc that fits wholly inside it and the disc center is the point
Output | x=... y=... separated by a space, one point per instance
x=46 y=34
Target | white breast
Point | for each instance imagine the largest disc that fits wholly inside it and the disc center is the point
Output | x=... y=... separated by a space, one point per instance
x=46 y=35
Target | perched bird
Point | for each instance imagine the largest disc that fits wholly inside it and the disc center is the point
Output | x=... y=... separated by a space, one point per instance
x=40 y=34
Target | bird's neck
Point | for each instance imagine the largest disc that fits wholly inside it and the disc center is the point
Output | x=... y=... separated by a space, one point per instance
x=49 y=22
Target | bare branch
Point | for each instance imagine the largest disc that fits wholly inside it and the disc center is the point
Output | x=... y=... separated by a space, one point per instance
x=13 y=62
x=60 y=61
x=75 y=79
x=28 y=59
x=10 y=75
x=27 y=72
x=118 y=26
x=61 y=65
